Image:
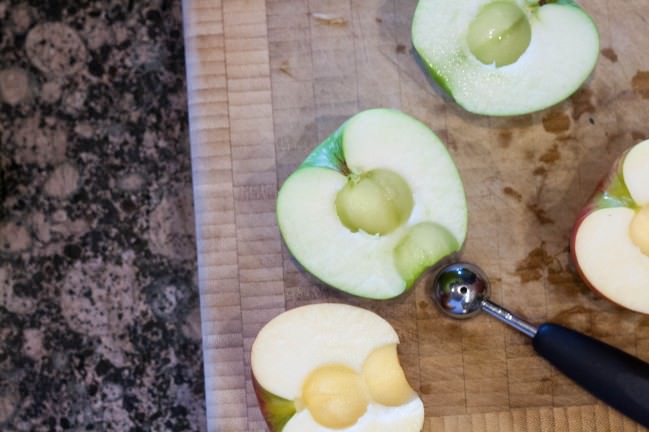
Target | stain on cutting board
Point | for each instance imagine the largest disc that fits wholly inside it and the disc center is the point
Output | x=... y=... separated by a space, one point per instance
x=582 y=103
x=640 y=83
x=551 y=155
x=556 y=122
x=610 y=54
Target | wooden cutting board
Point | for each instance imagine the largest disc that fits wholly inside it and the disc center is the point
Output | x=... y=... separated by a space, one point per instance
x=268 y=80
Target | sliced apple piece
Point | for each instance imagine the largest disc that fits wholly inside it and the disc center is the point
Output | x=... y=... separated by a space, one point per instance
x=374 y=205
x=505 y=57
x=330 y=367
x=610 y=241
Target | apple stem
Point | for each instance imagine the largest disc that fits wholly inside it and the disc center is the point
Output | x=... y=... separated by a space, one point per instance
x=345 y=169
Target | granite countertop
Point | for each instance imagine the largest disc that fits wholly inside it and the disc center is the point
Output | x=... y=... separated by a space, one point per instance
x=99 y=316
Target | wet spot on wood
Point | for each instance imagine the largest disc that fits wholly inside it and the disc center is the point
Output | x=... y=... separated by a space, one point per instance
x=556 y=122
x=328 y=19
x=423 y=305
x=426 y=389
x=510 y=192
x=540 y=171
x=582 y=103
x=551 y=155
x=610 y=54
x=638 y=136
x=640 y=83
x=504 y=138
x=401 y=48
x=558 y=275
x=532 y=267
x=536 y=264
x=540 y=213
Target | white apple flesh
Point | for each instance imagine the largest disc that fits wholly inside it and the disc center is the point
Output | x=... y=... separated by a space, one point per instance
x=610 y=242
x=336 y=367
x=505 y=57
x=374 y=206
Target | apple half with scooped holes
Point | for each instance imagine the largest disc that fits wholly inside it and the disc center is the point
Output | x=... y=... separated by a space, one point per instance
x=327 y=367
x=374 y=206
x=610 y=240
x=505 y=57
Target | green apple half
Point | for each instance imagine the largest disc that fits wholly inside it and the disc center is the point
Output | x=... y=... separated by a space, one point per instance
x=327 y=367
x=374 y=205
x=505 y=57
x=610 y=240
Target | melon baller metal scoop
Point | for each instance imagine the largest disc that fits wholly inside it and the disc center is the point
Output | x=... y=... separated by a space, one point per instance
x=617 y=378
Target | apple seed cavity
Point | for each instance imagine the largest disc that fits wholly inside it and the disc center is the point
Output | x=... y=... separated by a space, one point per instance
x=376 y=202
x=499 y=34
x=639 y=229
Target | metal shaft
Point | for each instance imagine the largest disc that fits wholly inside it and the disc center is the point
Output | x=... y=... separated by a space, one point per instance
x=508 y=318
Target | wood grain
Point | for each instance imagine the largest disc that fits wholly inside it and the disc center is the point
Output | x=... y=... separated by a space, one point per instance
x=268 y=80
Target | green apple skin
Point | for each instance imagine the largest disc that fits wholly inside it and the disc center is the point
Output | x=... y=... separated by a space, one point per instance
x=277 y=411
x=611 y=192
x=443 y=79
x=330 y=155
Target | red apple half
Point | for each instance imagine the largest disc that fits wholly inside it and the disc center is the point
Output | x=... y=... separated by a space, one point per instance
x=610 y=240
x=332 y=367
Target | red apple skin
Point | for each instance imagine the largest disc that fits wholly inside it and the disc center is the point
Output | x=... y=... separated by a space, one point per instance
x=610 y=192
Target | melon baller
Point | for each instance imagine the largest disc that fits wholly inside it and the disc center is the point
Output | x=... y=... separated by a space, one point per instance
x=461 y=290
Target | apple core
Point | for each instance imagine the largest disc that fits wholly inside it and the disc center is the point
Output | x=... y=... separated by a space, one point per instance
x=499 y=34
x=335 y=396
x=639 y=229
x=376 y=202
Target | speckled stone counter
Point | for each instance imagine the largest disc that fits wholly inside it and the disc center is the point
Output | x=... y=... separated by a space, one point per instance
x=99 y=317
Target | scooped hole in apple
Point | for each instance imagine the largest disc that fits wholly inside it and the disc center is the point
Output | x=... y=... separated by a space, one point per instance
x=424 y=245
x=335 y=396
x=639 y=229
x=377 y=202
x=385 y=380
x=499 y=34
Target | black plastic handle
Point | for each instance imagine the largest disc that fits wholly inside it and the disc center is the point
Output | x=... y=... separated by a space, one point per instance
x=615 y=377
